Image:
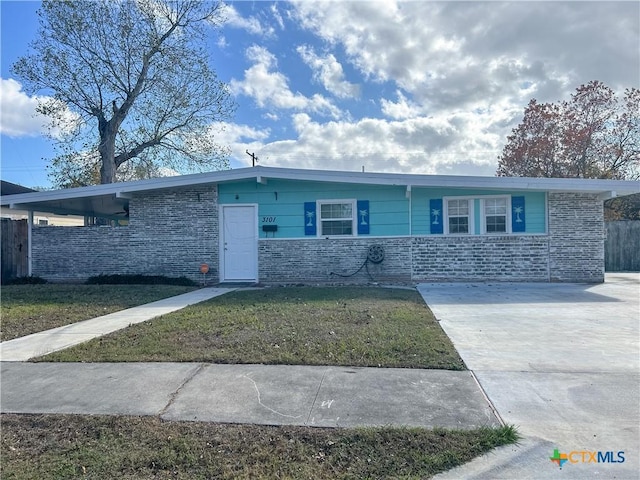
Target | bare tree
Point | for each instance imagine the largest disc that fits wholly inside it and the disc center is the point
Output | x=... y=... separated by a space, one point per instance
x=129 y=85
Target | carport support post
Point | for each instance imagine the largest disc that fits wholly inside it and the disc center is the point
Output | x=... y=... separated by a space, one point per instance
x=29 y=237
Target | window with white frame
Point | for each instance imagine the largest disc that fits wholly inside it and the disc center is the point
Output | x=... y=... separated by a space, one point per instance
x=336 y=217
x=458 y=215
x=495 y=215
x=461 y=213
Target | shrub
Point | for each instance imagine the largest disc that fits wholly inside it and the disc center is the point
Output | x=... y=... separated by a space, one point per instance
x=140 y=280
x=29 y=280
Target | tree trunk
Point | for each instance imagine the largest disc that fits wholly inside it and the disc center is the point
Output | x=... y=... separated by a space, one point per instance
x=107 y=150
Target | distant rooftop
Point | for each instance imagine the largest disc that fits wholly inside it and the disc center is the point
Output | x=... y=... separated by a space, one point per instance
x=8 y=188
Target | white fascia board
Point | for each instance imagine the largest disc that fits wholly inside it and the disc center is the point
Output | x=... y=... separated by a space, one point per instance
x=123 y=189
x=261 y=174
x=456 y=181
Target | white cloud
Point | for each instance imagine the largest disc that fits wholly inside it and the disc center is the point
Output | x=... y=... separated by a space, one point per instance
x=404 y=108
x=18 y=117
x=462 y=74
x=463 y=143
x=451 y=54
x=270 y=88
x=222 y=42
x=228 y=133
x=250 y=24
x=239 y=138
x=328 y=71
x=277 y=16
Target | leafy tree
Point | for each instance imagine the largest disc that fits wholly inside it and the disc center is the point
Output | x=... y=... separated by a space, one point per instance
x=131 y=87
x=593 y=135
x=623 y=208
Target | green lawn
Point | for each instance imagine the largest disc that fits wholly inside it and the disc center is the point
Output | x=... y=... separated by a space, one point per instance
x=48 y=447
x=356 y=326
x=27 y=309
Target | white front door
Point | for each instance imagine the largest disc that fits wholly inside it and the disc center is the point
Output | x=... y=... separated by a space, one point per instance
x=239 y=243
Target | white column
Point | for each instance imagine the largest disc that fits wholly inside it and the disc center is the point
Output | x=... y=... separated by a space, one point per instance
x=29 y=237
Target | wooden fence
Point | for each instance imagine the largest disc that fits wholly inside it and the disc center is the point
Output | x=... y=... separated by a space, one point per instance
x=622 y=246
x=15 y=249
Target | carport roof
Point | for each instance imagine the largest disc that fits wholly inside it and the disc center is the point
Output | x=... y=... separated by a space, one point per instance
x=111 y=199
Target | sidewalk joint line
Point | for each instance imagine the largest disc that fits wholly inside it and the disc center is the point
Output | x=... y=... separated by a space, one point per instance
x=486 y=397
x=315 y=399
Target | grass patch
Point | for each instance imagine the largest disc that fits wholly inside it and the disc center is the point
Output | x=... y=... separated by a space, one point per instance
x=27 y=309
x=95 y=447
x=357 y=326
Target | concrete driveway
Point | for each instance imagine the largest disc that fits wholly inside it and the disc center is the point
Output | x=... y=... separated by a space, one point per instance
x=559 y=361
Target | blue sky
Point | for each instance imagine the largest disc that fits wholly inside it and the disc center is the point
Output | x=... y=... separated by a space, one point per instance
x=411 y=87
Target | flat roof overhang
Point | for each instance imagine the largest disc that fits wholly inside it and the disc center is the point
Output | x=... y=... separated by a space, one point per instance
x=112 y=200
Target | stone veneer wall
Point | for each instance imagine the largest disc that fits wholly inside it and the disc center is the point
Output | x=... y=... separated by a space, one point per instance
x=169 y=233
x=576 y=237
x=313 y=260
x=481 y=257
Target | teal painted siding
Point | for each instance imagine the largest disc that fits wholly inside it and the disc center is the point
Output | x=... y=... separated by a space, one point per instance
x=388 y=206
x=535 y=204
x=535 y=207
x=281 y=203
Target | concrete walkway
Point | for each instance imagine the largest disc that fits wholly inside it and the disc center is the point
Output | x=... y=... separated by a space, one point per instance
x=559 y=361
x=259 y=394
x=41 y=343
x=262 y=394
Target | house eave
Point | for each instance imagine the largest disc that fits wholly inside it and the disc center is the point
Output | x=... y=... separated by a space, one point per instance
x=105 y=199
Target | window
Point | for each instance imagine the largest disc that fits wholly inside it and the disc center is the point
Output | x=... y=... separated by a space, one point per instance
x=477 y=215
x=43 y=221
x=458 y=216
x=495 y=215
x=336 y=217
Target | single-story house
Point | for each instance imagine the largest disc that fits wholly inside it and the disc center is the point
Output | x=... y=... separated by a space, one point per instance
x=277 y=225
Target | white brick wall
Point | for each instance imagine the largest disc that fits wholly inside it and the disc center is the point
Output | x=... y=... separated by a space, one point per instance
x=313 y=260
x=173 y=232
x=576 y=238
x=476 y=257
x=170 y=233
